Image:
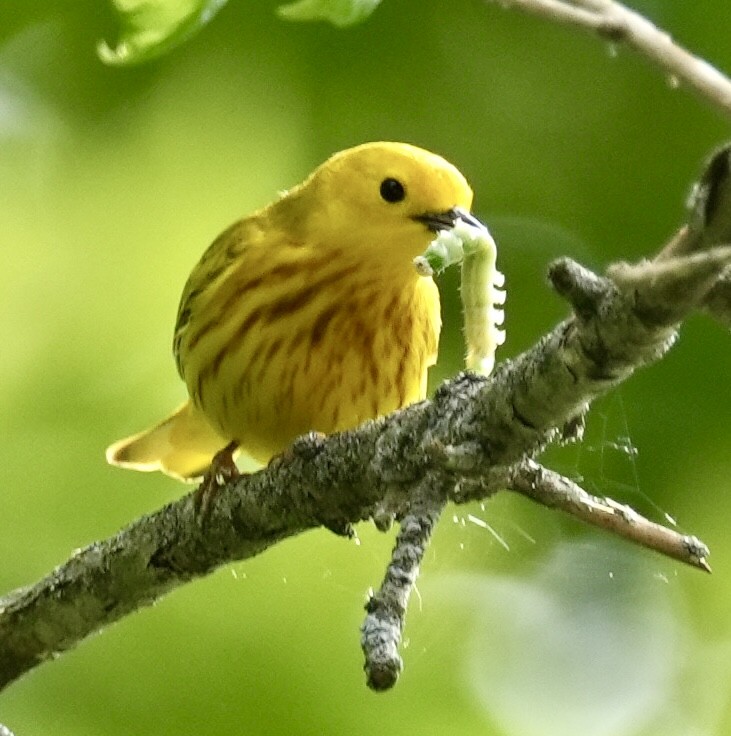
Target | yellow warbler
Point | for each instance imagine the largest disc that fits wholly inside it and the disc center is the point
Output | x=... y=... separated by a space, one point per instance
x=310 y=313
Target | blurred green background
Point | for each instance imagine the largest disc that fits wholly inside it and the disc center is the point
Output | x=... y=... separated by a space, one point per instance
x=113 y=180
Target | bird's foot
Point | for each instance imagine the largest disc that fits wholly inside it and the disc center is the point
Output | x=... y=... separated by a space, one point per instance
x=221 y=471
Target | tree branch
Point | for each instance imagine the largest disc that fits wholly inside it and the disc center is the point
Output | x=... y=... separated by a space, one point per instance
x=616 y=23
x=467 y=437
x=384 y=624
x=552 y=490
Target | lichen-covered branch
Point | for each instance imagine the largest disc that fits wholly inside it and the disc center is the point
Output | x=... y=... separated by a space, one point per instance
x=472 y=427
x=386 y=608
x=618 y=24
x=384 y=623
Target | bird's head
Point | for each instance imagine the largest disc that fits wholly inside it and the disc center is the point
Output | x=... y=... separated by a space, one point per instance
x=384 y=201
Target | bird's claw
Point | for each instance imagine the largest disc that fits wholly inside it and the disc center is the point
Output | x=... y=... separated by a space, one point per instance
x=222 y=470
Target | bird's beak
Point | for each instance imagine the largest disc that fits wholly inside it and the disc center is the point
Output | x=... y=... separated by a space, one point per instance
x=437 y=221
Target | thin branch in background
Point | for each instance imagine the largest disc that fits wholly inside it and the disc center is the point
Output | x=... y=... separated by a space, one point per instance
x=616 y=23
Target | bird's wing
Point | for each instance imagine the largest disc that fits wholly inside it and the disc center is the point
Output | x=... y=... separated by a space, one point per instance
x=214 y=264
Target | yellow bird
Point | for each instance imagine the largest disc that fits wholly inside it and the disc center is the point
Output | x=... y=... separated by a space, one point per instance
x=309 y=314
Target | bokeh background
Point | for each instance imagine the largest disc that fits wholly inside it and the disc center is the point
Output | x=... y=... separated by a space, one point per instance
x=113 y=180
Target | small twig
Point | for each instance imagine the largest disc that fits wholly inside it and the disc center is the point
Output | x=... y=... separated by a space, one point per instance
x=615 y=22
x=555 y=491
x=384 y=623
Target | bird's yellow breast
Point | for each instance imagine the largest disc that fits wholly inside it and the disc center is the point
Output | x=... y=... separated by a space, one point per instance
x=331 y=341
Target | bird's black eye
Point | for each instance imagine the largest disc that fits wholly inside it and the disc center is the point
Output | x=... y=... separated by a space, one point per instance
x=392 y=190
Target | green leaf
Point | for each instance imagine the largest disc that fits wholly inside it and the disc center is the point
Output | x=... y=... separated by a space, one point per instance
x=339 y=12
x=150 y=28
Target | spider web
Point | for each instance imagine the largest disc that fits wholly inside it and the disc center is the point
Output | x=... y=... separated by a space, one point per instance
x=607 y=462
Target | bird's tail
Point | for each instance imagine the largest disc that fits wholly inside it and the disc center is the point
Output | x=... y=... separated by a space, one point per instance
x=182 y=446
